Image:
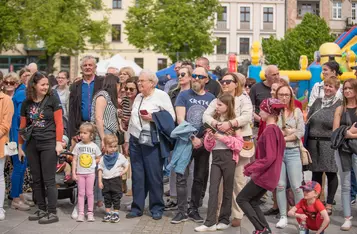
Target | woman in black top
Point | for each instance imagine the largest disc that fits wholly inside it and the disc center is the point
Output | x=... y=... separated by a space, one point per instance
x=44 y=145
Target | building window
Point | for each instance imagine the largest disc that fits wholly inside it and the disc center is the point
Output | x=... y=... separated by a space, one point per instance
x=65 y=63
x=245 y=14
x=116 y=4
x=161 y=63
x=139 y=62
x=243 y=45
x=337 y=10
x=223 y=15
x=116 y=32
x=222 y=46
x=268 y=14
x=354 y=11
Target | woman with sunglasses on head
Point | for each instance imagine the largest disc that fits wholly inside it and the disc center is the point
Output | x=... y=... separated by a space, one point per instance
x=244 y=111
x=292 y=124
x=16 y=90
x=43 y=111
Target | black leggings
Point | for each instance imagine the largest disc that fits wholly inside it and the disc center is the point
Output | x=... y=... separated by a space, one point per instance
x=42 y=157
x=248 y=201
x=332 y=184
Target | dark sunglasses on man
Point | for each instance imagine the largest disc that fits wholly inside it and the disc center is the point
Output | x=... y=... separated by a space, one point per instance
x=195 y=76
x=227 y=82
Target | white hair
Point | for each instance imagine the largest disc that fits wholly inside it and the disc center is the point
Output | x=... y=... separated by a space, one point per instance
x=286 y=78
x=150 y=75
x=88 y=57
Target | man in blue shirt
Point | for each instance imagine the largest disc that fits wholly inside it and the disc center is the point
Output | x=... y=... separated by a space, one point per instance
x=190 y=106
x=82 y=91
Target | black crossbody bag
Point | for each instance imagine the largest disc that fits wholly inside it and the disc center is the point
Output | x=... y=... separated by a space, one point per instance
x=26 y=132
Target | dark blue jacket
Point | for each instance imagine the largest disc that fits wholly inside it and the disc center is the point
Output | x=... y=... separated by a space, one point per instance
x=17 y=99
x=160 y=133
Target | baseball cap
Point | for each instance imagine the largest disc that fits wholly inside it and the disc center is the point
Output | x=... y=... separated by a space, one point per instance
x=311 y=185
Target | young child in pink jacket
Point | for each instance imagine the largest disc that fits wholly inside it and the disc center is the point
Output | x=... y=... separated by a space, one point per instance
x=225 y=154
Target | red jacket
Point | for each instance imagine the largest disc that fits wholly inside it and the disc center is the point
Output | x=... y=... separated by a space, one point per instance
x=265 y=170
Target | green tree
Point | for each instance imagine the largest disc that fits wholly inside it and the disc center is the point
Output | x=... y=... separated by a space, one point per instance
x=65 y=26
x=304 y=39
x=179 y=29
x=9 y=21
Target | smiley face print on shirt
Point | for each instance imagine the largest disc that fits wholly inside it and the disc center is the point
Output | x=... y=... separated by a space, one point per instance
x=85 y=160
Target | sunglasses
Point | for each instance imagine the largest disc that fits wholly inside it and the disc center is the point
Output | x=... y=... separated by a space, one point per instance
x=248 y=86
x=194 y=76
x=227 y=82
x=130 y=89
x=9 y=83
x=182 y=74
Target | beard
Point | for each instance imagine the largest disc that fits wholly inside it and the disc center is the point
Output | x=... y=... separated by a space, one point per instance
x=197 y=87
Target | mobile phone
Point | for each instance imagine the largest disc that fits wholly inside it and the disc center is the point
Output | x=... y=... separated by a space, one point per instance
x=206 y=125
x=144 y=112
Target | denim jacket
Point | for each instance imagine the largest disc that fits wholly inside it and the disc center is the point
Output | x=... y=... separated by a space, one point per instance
x=182 y=152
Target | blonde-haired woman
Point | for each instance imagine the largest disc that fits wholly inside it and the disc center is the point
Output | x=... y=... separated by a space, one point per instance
x=125 y=73
x=6 y=112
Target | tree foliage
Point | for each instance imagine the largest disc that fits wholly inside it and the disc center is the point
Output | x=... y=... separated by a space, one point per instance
x=304 y=39
x=9 y=21
x=178 y=29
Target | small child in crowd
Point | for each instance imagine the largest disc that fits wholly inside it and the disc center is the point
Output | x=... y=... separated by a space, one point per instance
x=265 y=170
x=225 y=154
x=86 y=154
x=110 y=170
x=310 y=213
x=63 y=165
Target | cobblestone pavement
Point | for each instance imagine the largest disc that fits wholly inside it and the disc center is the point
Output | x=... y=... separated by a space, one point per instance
x=16 y=222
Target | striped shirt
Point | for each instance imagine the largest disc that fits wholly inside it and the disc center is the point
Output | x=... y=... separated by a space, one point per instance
x=110 y=113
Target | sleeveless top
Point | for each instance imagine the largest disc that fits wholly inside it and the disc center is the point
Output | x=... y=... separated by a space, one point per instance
x=352 y=115
x=110 y=113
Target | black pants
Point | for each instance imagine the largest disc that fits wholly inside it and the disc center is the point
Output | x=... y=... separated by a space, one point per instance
x=222 y=166
x=248 y=201
x=112 y=192
x=332 y=184
x=42 y=158
x=201 y=157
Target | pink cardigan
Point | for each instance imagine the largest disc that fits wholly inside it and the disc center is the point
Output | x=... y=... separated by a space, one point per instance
x=234 y=143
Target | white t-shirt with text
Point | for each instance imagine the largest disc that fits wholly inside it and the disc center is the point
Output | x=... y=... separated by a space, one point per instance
x=86 y=154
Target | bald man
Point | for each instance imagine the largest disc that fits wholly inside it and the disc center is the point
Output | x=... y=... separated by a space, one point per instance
x=262 y=90
x=32 y=67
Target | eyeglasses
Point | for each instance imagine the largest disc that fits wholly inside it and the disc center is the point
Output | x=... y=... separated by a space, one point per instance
x=286 y=95
x=248 y=86
x=227 y=82
x=195 y=76
x=130 y=89
x=9 y=83
x=182 y=74
x=142 y=81
x=60 y=78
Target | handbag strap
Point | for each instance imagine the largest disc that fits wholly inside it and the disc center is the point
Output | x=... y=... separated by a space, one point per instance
x=141 y=102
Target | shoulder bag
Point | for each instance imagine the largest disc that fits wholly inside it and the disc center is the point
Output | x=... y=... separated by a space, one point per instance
x=26 y=132
x=304 y=153
x=145 y=135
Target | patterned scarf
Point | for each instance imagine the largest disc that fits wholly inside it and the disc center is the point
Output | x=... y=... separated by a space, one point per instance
x=328 y=101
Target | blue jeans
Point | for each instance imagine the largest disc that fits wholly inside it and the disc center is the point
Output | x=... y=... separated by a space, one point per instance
x=345 y=180
x=353 y=185
x=291 y=168
x=17 y=177
x=147 y=177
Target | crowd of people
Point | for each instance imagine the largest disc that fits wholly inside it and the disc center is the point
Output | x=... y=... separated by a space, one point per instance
x=246 y=137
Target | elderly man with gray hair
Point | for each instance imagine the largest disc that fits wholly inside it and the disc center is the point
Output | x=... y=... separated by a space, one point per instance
x=145 y=153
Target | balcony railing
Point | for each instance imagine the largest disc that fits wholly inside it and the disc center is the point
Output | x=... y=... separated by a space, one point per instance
x=221 y=24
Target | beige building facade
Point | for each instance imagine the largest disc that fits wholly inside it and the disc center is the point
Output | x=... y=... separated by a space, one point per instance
x=339 y=14
x=243 y=22
x=117 y=44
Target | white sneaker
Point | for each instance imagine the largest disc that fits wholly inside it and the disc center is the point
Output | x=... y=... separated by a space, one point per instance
x=75 y=213
x=283 y=222
x=222 y=226
x=204 y=228
x=2 y=214
x=346 y=226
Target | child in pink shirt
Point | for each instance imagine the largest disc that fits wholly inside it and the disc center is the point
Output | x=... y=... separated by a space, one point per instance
x=225 y=154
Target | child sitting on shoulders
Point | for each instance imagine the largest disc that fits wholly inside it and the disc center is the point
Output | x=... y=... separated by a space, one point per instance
x=310 y=212
x=110 y=170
